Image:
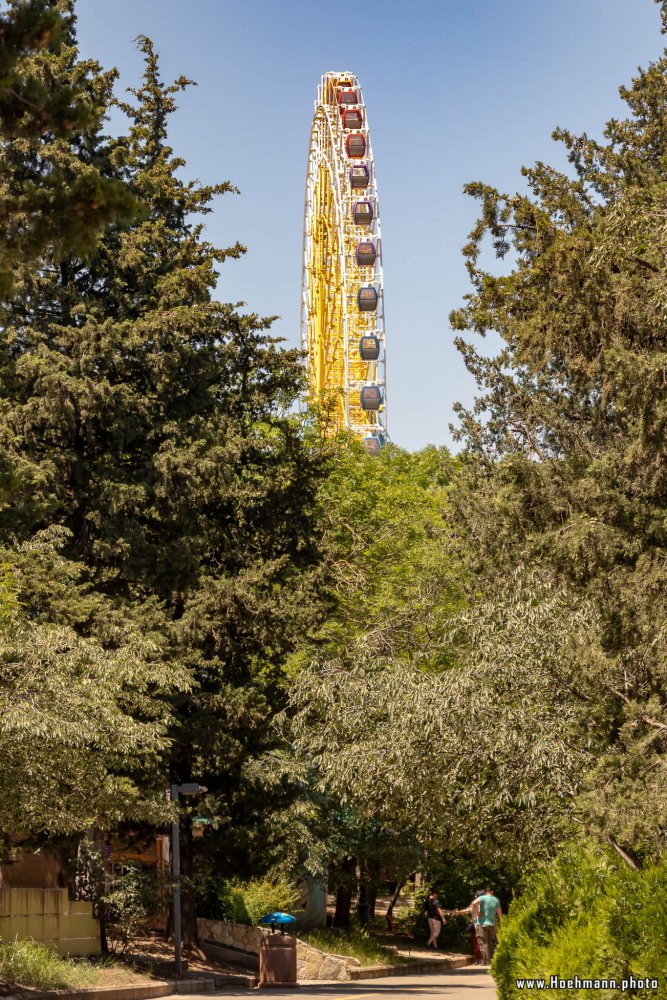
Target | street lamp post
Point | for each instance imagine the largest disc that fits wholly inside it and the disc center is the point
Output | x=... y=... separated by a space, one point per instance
x=191 y=788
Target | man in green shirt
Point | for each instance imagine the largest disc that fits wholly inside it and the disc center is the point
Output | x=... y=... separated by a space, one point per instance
x=489 y=911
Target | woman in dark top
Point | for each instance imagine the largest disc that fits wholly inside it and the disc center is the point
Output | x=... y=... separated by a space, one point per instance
x=436 y=917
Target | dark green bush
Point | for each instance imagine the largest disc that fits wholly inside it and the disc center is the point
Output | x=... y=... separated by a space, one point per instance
x=587 y=915
x=131 y=900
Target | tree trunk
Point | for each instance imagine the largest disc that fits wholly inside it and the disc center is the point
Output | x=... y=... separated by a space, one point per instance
x=392 y=904
x=397 y=892
x=346 y=881
x=87 y=878
x=372 y=899
x=373 y=878
x=100 y=842
x=363 y=909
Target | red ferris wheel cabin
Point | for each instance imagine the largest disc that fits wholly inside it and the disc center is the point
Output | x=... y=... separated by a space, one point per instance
x=346 y=95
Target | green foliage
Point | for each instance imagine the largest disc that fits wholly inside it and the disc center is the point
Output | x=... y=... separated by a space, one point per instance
x=245 y=902
x=662 y=4
x=385 y=525
x=267 y=895
x=27 y=104
x=77 y=720
x=28 y=963
x=56 y=188
x=9 y=607
x=161 y=524
x=127 y=897
x=458 y=876
x=566 y=470
x=587 y=915
x=393 y=584
x=413 y=920
x=512 y=765
x=130 y=901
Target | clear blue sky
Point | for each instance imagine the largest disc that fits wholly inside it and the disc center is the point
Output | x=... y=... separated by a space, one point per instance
x=456 y=90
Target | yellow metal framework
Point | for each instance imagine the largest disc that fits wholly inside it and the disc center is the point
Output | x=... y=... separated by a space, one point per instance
x=331 y=323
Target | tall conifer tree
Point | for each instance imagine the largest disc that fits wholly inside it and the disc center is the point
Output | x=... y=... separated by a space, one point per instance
x=78 y=712
x=55 y=189
x=568 y=436
x=148 y=421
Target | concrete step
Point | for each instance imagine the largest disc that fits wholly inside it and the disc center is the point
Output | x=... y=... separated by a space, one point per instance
x=409 y=968
x=142 y=991
x=151 y=991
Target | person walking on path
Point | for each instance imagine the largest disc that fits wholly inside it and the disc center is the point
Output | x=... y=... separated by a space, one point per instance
x=489 y=911
x=436 y=917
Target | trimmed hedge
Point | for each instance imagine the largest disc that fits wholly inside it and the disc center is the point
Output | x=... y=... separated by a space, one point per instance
x=587 y=915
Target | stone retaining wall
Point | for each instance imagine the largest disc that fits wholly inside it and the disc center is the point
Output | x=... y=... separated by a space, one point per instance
x=310 y=962
x=230 y=935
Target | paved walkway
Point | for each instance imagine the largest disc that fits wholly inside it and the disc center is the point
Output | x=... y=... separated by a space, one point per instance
x=457 y=984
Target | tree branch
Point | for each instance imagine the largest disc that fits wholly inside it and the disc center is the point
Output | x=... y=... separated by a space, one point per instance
x=528 y=437
x=621 y=853
x=642 y=718
x=644 y=263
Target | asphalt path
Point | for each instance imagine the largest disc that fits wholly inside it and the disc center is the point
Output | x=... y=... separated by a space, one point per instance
x=455 y=984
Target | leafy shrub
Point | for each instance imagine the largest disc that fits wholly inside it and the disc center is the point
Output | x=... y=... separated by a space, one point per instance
x=130 y=902
x=587 y=915
x=412 y=920
x=27 y=963
x=245 y=902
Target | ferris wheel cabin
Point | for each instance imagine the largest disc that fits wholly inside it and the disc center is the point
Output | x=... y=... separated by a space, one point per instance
x=362 y=212
x=366 y=253
x=367 y=299
x=359 y=176
x=353 y=118
x=347 y=95
x=373 y=443
x=370 y=397
x=369 y=348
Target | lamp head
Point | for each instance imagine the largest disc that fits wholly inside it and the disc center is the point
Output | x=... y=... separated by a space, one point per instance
x=191 y=788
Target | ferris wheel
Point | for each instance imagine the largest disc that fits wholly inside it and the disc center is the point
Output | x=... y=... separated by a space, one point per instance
x=342 y=300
